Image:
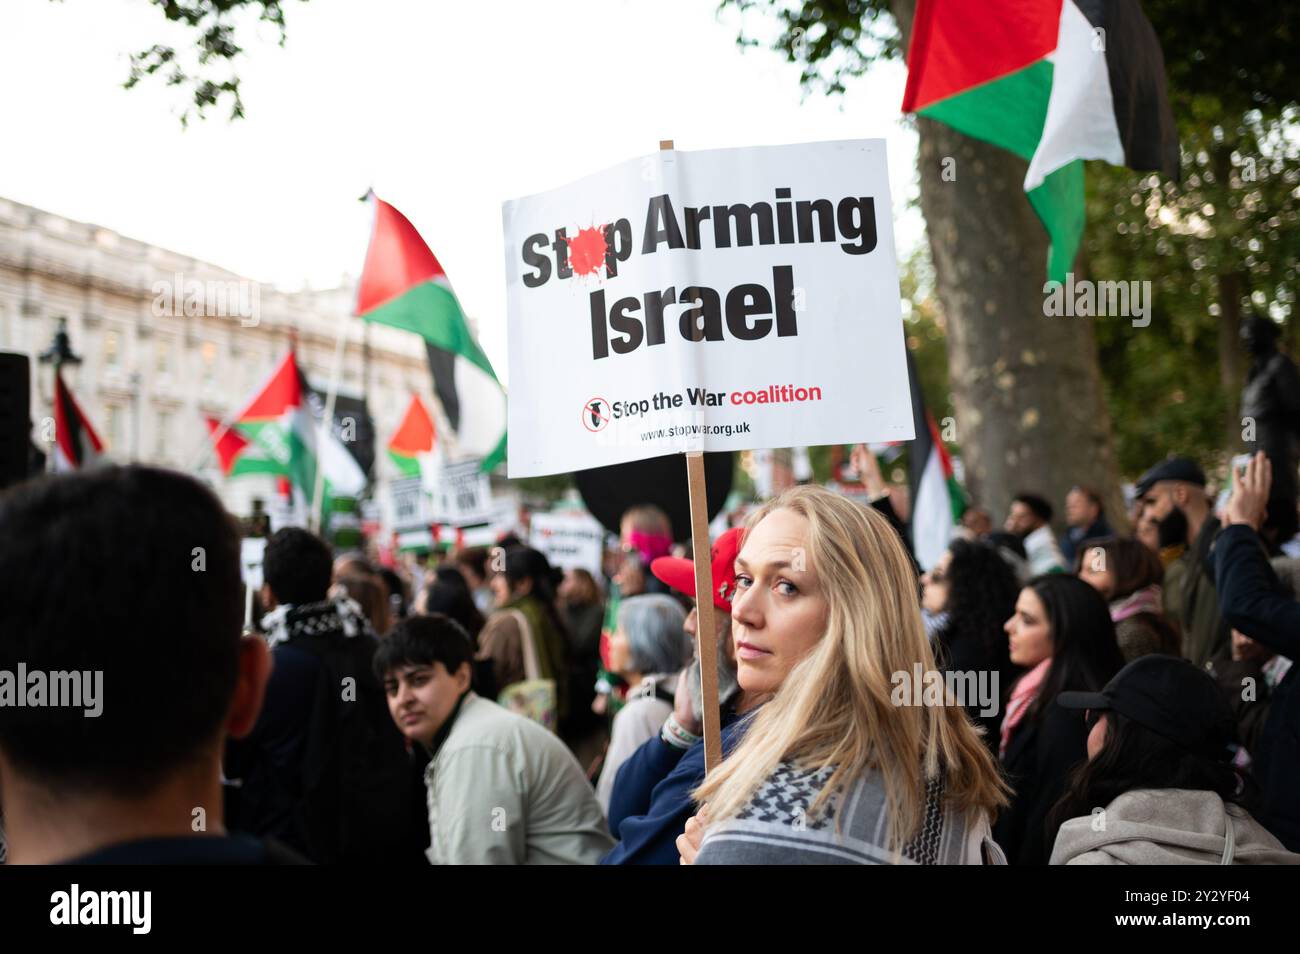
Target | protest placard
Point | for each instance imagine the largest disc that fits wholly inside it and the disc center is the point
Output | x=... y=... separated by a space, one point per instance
x=409 y=506
x=697 y=301
x=711 y=301
x=569 y=540
x=464 y=494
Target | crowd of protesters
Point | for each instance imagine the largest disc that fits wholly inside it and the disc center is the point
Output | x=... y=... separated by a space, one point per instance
x=1136 y=701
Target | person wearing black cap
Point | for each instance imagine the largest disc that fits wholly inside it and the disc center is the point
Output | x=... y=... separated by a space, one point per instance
x=1171 y=492
x=1159 y=786
x=651 y=799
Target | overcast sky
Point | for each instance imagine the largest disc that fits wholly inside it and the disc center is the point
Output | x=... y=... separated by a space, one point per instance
x=445 y=113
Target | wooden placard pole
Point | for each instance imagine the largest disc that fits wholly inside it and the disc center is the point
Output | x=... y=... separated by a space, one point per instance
x=706 y=634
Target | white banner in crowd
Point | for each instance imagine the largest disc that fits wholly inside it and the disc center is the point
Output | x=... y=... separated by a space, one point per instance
x=251 y=552
x=409 y=505
x=722 y=300
x=569 y=540
x=464 y=495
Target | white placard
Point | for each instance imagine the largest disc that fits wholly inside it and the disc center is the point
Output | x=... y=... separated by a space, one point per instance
x=569 y=540
x=409 y=504
x=464 y=494
x=251 y=553
x=722 y=300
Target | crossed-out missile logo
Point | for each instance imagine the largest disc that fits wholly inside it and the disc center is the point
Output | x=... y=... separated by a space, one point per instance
x=595 y=414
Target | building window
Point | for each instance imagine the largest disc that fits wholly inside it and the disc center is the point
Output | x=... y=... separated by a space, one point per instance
x=162 y=433
x=113 y=422
x=162 y=357
x=208 y=354
x=112 y=349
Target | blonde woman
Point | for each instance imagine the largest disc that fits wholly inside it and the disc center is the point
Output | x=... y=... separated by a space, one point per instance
x=832 y=771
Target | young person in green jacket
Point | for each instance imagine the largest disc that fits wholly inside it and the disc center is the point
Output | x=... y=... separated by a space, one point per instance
x=501 y=789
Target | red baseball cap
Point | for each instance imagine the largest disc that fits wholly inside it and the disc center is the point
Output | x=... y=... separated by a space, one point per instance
x=679 y=573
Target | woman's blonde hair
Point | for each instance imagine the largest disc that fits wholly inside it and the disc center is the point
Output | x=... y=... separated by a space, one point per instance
x=835 y=707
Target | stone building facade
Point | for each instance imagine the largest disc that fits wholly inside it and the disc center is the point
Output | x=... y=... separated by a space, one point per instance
x=167 y=340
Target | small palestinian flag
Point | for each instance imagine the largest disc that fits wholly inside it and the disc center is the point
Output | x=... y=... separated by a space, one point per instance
x=238 y=455
x=411 y=447
x=279 y=423
x=937 y=499
x=403 y=285
x=1053 y=81
x=76 y=445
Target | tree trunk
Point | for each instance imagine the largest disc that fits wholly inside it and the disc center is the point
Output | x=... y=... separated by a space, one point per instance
x=1030 y=414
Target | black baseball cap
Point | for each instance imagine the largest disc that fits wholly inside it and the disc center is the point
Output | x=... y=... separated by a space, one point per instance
x=1175 y=468
x=1169 y=696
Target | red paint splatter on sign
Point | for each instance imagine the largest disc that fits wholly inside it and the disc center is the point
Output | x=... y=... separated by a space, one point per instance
x=587 y=250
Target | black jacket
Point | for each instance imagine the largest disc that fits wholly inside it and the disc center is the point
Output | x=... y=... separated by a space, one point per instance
x=1037 y=763
x=228 y=850
x=1251 y=601
x=969 y=654
x=325 y=771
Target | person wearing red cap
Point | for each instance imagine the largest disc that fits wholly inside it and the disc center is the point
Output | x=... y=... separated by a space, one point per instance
x=650 y=802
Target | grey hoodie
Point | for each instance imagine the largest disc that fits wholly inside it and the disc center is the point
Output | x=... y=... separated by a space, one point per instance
x=1168 y=827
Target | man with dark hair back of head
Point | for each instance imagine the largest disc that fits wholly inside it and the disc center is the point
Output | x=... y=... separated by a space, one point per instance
x=125 y=580
x=1030 y=518
x=501 y=788
x=296 y=568
x=323 y=770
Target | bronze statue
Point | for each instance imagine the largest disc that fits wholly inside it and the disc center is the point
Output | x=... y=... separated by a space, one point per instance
x=1271 y=398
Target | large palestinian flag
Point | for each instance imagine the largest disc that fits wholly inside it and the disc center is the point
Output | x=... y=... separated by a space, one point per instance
x=403 y=285
x=284 y=437
x=937 y=499
x=76 y=445
x=411 y=447
x=1053 y=81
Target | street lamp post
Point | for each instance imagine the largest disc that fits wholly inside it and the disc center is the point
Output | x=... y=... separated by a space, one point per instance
x=58 y=354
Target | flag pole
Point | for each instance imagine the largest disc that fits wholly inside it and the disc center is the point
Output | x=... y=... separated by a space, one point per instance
x=706 y=635
x=315 y=518
x=209 y=446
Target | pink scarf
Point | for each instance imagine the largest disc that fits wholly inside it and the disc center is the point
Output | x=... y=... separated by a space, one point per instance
x=650 y=546
x=1022 y=697
x=1145 y=600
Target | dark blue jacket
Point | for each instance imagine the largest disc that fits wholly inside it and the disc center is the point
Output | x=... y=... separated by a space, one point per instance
x=1076 y=537
x=651 y=800
x=1251 y=600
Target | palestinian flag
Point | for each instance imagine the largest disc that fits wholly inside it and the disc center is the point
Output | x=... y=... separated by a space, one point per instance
x=1053 y=81
x=411 y=447
x=278 y=425
x=937 y=499
x=76 y=445
x=237 y=454
x=403 y=285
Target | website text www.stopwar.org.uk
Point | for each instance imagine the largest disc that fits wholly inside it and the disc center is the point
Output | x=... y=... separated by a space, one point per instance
x=597 y=413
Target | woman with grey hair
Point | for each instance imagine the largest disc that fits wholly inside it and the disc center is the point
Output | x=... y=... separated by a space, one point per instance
x=648 y=649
